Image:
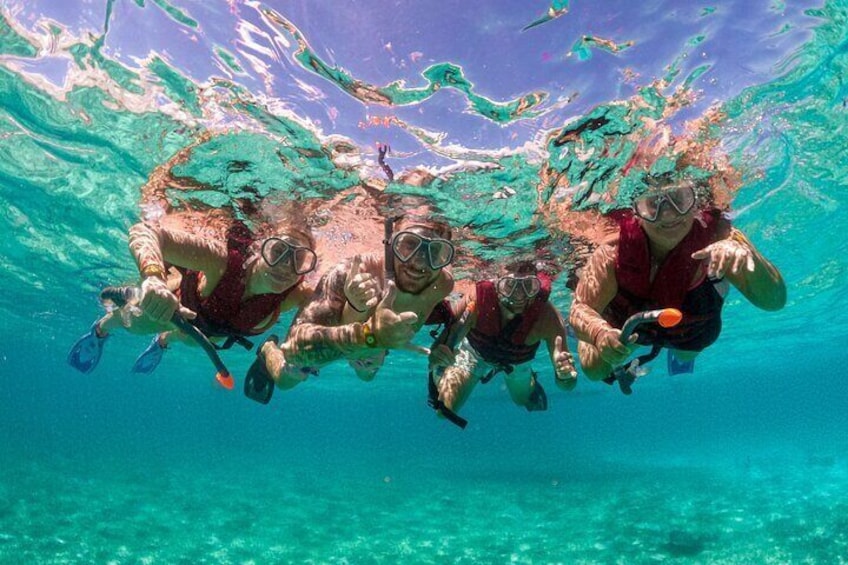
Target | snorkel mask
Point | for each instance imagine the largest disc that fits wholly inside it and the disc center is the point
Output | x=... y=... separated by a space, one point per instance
x=680 y=198
x=507 y=286
x=278 y=249
x=406 y=244
x=437 y=252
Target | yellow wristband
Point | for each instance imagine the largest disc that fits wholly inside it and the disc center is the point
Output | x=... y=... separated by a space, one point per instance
x=153 y=270
x=370 y=340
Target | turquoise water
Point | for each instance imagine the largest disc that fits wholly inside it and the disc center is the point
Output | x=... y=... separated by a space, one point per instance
x=746 y=461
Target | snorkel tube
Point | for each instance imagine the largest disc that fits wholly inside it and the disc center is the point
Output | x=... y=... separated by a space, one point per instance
x=665 y=317
x=121 y=296
x=627 y=374
x=223 y=376
x=389 y=256
x=451 y=336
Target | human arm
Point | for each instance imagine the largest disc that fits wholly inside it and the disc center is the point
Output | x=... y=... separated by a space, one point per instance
x=298 y=297
x=441 y=352
x=601 y=349
x=319 y=335
x=153 y=246
x=552 y=329
x=736 y=259
x=362 y=289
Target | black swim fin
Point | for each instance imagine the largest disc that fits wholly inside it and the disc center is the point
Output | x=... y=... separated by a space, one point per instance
x=258 y=384
x=538 y=401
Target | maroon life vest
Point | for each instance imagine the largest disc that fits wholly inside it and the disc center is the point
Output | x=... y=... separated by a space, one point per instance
x=676 y=281
x=223 y=313
x=505 y=345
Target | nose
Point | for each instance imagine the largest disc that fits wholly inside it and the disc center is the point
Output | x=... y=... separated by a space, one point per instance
x=283 y=269
x=419 y=260
x=519 y=296
x=667 y=211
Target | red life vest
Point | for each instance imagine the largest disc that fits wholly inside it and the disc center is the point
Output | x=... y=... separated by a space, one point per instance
x=676 y=275
x=506 y=344
x=223 y=313
x=680 y=282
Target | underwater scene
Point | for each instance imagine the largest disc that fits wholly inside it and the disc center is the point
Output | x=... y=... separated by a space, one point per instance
x=524 y=127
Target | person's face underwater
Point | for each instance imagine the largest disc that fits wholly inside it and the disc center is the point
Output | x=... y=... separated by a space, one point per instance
x=284 y=261
x=515 y=292
x=419 y=257
x=667 y=214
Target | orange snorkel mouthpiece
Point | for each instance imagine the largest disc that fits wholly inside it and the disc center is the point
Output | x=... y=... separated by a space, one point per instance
x=225 y=380
x=670 y=317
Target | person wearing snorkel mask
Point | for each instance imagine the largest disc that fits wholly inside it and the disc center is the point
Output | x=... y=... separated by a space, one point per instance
x=509 y=317
x=229 y=290
x=360 y=309
x=671 y=251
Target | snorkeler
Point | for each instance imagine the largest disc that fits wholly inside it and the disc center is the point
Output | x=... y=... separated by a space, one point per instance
x=228 y=290
x=670 y=252
x=509 y=318
x=362 y=308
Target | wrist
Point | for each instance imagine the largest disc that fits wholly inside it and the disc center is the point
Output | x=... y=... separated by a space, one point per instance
x=738 y=237
x=562 y=376
x=368 y=337
x=354 y=308
x=152 y=282
x=153 y=270
x=602 y=329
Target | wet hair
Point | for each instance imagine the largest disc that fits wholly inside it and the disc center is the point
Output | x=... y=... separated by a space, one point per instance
x=658 y=182
x=285 y=220
x=521 y=268
x=666 y=160
x=438 y=227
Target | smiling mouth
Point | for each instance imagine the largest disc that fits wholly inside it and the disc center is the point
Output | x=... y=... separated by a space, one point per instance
x=672 y=225
x=416 y=273
x=516 y=304
x=278 y=280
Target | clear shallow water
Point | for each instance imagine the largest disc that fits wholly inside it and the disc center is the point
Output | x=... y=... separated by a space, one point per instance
x=743 y=462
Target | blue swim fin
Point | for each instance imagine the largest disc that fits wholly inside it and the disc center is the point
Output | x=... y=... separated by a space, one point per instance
x=86 y=351
x=150 y=358
x=678 y=367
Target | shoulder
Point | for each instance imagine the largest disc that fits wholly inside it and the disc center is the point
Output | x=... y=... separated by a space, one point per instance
x=604 y=257
x=299 y=296
x=436 y=292
x=445 y=283
x=717 y=222
x=548 y=324
x=549 y=316
x=597 y=280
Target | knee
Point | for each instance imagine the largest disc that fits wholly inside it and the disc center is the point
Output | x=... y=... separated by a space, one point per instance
x=452 y=384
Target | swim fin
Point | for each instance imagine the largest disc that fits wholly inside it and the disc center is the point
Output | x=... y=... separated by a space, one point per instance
x=86 y=351
x=258 y=384
x=678 y=367
x=538 y=401
x=150 y=358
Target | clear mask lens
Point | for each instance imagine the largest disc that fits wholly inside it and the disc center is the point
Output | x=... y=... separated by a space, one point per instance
x=276 y=251
x=438 y=252
x=530 y=286
x=681 y=199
